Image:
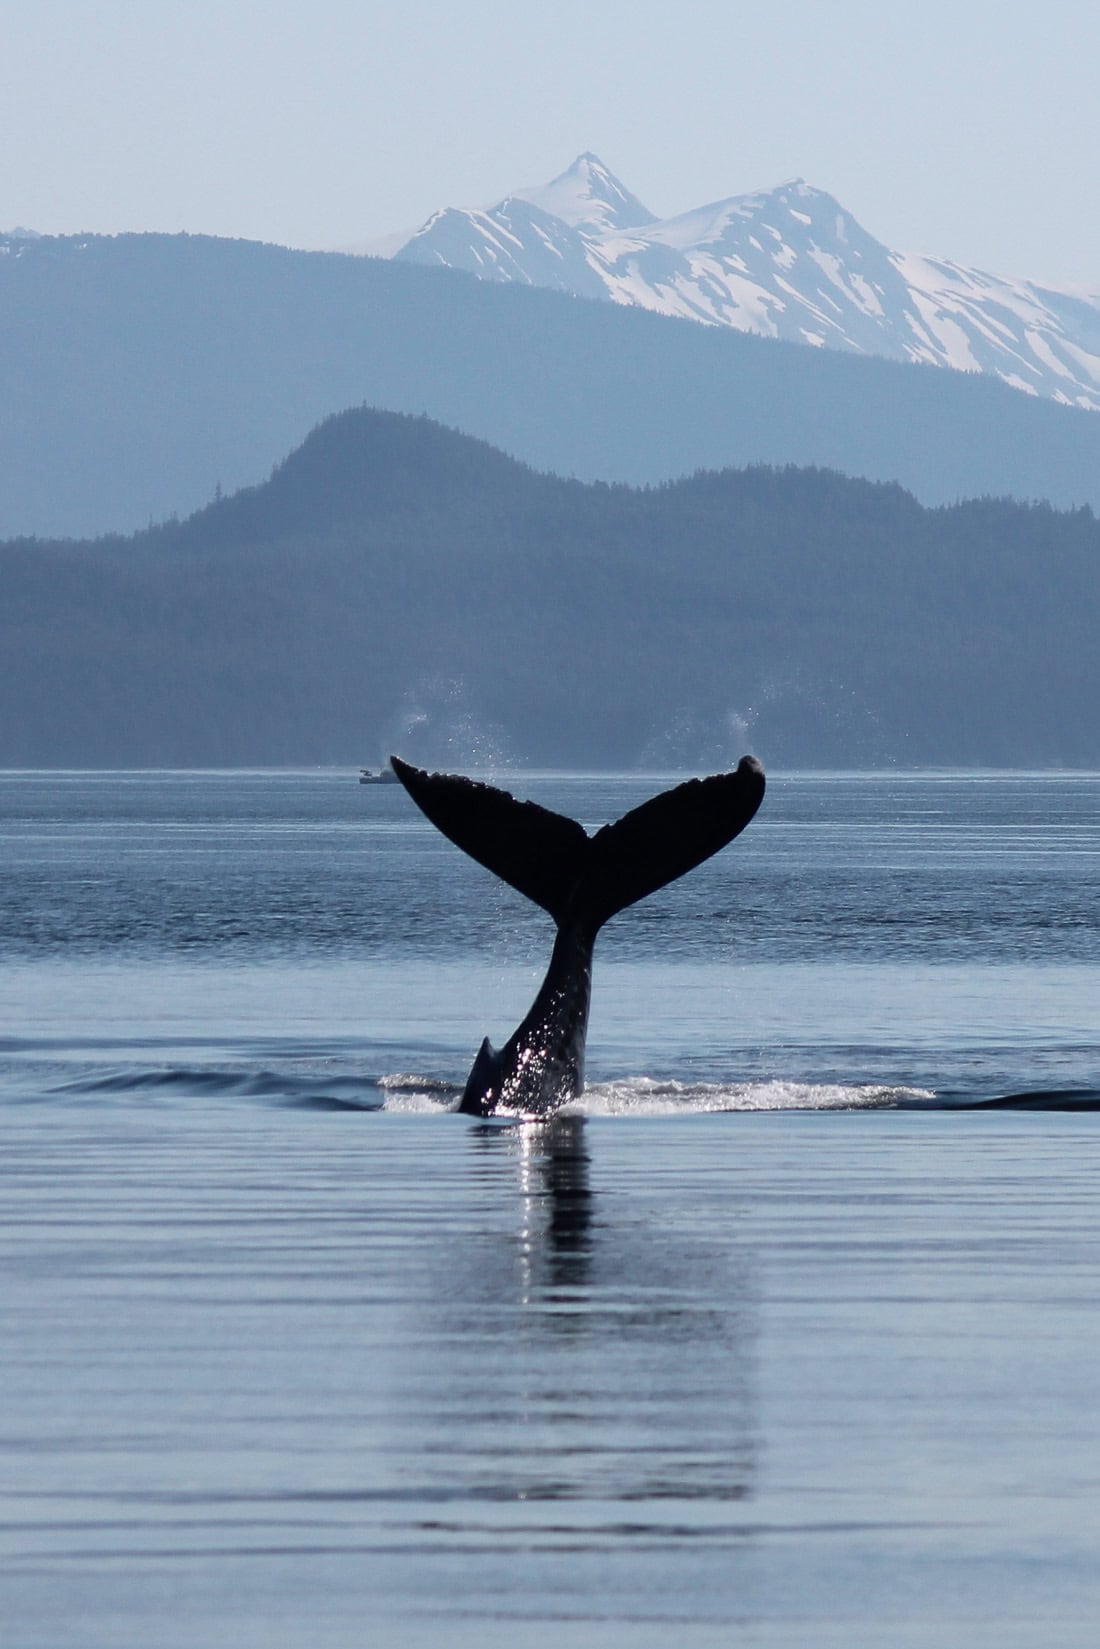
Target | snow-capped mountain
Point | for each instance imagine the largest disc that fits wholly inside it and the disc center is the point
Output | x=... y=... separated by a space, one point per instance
x=787 y=263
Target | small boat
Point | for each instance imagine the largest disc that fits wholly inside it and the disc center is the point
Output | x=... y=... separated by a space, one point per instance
x=383 y=775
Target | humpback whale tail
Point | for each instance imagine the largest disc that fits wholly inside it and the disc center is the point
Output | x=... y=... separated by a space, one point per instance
x=583 y=880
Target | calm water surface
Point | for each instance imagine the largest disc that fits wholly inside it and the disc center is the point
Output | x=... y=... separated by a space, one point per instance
x=776 y=1341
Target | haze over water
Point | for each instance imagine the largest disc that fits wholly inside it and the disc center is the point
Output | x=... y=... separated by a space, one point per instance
x=293 y=1355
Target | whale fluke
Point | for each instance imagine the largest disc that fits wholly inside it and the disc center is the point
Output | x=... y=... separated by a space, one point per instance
x=537 y=852
x=581 y=881
x=667 y=836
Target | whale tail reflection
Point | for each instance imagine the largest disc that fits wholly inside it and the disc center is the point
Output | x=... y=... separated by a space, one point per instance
x=581 y=881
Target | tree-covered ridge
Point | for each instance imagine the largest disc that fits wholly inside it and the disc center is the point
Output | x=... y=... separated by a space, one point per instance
x=396 y=583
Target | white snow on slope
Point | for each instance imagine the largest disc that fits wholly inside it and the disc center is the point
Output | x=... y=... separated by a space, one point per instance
x=788 y=262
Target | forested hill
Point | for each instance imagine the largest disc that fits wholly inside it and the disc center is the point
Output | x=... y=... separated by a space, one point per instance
x=397 y=585
x=139 y=371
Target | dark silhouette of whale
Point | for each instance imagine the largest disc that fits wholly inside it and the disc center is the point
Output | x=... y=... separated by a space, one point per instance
x=581 y=880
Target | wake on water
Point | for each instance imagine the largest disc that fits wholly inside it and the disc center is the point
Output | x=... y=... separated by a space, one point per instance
x=43 y=1080
x=411 y=1094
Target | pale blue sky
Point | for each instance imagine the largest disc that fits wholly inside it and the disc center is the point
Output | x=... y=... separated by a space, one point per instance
x=970 y=130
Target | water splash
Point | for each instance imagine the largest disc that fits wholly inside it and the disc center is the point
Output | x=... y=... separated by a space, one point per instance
x=642 y=1096
x=418 y=1095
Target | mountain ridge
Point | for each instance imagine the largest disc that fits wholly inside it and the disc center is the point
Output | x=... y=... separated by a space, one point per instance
x=398 y=585
x=788 y=262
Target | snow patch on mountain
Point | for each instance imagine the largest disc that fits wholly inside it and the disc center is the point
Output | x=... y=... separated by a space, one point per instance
x=788 y=262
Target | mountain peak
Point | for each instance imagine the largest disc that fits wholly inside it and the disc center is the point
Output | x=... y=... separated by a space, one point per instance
x=588 y=195
x=797 y=189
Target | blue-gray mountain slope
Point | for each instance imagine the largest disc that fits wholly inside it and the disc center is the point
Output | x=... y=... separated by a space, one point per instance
x=140 y=372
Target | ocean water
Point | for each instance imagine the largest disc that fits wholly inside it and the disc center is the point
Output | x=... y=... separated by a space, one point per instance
x=781 y=1336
